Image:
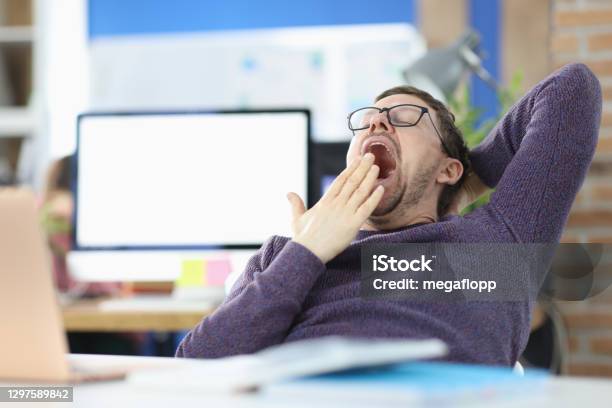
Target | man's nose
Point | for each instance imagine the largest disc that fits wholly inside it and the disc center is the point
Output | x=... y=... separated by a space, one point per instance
x=380 y=123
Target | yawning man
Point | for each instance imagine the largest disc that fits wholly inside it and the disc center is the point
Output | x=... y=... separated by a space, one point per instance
x=408 y=175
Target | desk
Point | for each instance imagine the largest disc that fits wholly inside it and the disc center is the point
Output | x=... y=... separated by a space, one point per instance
x=90 y=315
x=560 y=392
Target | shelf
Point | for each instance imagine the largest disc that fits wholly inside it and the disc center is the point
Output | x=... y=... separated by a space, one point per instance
x=16 y=122
x=16 y=34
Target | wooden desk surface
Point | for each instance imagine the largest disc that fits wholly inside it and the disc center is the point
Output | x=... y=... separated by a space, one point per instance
x=88 y=316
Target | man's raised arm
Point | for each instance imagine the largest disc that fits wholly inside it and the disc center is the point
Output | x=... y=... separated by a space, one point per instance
x=538 y=154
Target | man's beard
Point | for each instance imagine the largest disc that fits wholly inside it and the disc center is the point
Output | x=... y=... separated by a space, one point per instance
x=404 y=198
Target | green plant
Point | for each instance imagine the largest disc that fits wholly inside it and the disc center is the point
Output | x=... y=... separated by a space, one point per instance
x=467 y=119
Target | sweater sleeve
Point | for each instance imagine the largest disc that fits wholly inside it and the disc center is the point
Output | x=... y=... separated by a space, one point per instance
x=538 y=154
x=261 y=307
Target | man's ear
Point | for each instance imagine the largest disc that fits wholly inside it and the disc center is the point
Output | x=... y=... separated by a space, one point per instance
x=450 y=171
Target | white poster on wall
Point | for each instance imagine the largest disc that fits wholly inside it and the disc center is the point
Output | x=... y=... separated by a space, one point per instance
x=330 y=70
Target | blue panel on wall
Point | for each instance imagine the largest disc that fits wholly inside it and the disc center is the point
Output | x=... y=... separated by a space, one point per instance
x=125 y=17
x=485 y=17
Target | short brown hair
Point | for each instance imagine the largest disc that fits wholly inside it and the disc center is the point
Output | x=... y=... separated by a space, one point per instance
x=452 y=136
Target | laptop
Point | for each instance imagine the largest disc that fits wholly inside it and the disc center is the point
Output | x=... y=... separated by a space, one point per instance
x=33 y=339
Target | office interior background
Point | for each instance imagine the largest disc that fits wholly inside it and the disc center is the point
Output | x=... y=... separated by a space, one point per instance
x=59 y=59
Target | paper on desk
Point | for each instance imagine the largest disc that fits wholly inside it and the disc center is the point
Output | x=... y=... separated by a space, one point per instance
x=228 y=375
x=288 y=361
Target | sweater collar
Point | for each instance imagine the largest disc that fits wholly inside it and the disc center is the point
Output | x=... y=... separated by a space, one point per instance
x=368 y=233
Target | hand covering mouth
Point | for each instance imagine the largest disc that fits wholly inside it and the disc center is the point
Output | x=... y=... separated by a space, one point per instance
x=383 y=156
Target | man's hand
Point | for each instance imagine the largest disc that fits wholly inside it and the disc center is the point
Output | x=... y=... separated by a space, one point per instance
x=330 y=226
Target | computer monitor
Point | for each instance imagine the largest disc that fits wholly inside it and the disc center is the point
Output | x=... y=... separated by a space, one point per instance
x=176 y=180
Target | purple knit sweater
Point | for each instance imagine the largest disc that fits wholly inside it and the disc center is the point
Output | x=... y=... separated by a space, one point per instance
x=536 y=158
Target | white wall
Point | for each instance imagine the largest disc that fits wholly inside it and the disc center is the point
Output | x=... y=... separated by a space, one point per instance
x=331 y=70
x=66 y=72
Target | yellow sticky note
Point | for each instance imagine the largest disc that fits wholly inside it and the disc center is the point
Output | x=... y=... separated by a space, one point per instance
x=192 y=273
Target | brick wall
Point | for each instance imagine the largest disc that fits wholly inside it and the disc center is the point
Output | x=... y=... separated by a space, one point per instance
x=537 y=37
x=581 y=30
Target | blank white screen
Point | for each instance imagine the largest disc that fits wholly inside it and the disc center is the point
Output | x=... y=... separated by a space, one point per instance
x=188 y=179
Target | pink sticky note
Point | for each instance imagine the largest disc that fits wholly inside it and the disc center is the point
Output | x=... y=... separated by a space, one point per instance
x=217 y=271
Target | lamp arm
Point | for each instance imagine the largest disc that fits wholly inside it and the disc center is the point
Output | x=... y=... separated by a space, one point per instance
x=474 y=62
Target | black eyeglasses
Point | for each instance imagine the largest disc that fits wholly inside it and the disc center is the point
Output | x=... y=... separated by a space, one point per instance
x=404 y=115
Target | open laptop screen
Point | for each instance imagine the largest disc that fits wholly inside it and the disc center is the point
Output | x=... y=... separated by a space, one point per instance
x=187 y=179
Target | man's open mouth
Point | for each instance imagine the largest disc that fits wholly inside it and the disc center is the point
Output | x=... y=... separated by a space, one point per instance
x=384 y=157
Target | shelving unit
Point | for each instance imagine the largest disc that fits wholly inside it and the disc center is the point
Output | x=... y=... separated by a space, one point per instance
x=18 y=82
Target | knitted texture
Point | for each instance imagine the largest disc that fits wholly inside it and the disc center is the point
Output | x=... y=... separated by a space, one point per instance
x=536 y=157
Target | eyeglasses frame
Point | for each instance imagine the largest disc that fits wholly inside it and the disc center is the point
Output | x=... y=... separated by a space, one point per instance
x=424 y=110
